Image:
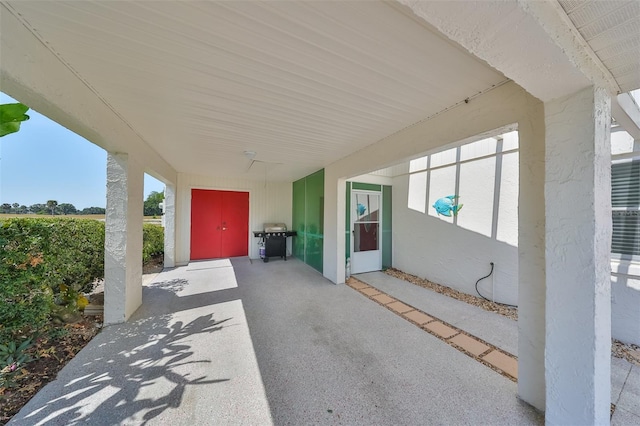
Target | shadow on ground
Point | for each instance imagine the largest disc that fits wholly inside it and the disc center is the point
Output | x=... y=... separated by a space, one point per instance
x=111 y=383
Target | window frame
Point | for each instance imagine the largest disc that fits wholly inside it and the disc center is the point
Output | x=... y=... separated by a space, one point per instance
x=633 y=257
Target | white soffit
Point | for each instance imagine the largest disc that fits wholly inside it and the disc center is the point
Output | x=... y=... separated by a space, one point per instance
x=512 y=37
x=612 y=30
x=300 y=83
x=559 y=58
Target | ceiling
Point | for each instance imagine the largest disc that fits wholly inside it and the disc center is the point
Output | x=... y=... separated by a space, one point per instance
x=302 y=84
x=612 y=30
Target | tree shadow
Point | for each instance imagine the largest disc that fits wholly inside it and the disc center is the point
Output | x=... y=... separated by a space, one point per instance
x=130 y=372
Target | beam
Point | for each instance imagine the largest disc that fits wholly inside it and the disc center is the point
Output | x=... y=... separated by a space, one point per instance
x=626 y=112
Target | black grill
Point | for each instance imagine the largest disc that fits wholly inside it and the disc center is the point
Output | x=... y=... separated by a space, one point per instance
x=274 y=241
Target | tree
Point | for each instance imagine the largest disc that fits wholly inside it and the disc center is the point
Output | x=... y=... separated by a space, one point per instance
x=23 y=209
x=37 y=208
x=16 y=207
x=93 y=210
x=66 y=208
x=51 y=205
x=5 y=208
x=152 y=204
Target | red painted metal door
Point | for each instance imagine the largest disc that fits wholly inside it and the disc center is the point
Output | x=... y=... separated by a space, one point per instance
x=206 y=218
x=235 y=224
x=219 y=224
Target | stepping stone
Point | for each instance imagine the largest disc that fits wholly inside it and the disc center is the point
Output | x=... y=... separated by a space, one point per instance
x=469 y=344
x=383 y=299
x=400 y=307
x=418 y=317
x=440 y=329
x=503 y=362
x=369 y=291
x=358 y=285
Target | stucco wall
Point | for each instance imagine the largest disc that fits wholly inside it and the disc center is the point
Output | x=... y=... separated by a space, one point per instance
x=625 y=303
x=268 y=202
x=448 y=254
x=493 y=110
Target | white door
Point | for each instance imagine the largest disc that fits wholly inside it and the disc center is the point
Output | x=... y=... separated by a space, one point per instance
x=366 y=231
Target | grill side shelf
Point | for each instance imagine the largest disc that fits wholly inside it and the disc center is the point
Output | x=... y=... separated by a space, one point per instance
x=262 y=234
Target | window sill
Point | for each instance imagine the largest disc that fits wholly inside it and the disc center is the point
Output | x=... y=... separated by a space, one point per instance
x=625 y=268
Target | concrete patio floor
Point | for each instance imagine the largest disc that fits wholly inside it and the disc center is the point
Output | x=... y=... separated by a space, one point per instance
x=241 y=342
x=502 y=332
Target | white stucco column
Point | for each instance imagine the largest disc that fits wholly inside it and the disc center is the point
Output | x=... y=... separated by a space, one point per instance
x=334 y=225
x=169 y=226
x=531 y=263
x=123 y=238
x=578 y=270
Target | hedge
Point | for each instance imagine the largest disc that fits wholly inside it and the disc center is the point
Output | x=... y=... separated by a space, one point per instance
x=45 y=261
x=51 y=261
x=152 y=241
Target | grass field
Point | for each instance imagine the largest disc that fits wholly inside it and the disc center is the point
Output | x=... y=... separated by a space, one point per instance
x=68 y=216
x=148 y=219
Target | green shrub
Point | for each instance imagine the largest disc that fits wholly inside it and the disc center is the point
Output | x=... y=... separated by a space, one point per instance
x=25 y=300
x=152 y=241
x=52 y=261
x=13 y=357
x=45 y=260
x=75 y=255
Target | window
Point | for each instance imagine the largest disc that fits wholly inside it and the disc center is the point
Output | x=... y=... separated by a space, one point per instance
x=625 y=203
x=483 y=175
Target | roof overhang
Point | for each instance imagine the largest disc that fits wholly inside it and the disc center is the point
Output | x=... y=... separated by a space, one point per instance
x=193 y=85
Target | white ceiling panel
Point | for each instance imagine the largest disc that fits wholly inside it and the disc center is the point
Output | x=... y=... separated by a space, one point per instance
x=612 y=30
x=300 y=83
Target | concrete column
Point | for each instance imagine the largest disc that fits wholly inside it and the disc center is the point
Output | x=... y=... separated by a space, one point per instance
x=334 y=225
x=123 y=238
x=531 y=261
x=169 y=226
x=578 y=269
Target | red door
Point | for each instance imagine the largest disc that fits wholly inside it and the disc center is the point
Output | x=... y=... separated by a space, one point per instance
x=219 y=224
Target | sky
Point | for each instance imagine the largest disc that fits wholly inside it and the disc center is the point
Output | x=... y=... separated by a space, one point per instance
x=45 y=161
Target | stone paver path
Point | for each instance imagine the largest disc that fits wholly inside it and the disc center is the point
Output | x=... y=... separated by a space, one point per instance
x=473 y=346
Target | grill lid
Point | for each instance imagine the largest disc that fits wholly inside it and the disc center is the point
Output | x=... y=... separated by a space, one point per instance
x=275 y=227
